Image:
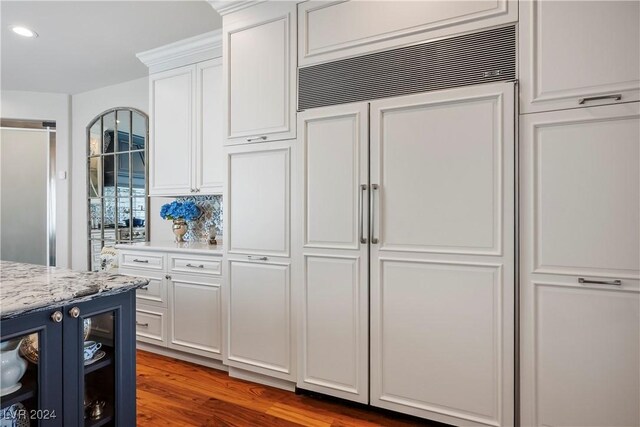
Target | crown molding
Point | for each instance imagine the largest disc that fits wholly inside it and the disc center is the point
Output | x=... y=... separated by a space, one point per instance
x=183 y=52
x=225 y=7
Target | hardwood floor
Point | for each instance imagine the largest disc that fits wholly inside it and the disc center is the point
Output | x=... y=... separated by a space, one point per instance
x=176 y=393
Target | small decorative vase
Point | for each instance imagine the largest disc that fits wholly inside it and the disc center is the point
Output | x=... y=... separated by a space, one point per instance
x=179 y=229
x=12 y=367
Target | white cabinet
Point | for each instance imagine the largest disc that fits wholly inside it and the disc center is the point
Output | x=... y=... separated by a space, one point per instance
x=339 y=29
x=572 y=51
x=257 y=214
x=196 y=315
x=332 y=249
x=172 y=97
x=185 y=132
x=442 y=255
x=259 y=51
x=181 y=308
x=259 y=329
x=208 y=164
x=580 y=219
x=257 y=295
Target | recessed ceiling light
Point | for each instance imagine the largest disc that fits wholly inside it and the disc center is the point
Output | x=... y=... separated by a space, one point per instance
x=23 y=31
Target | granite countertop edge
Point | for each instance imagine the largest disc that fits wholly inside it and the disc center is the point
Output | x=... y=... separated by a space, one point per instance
x=28 y=288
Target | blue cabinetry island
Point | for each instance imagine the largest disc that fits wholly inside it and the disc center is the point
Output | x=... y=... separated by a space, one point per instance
x=67 y=347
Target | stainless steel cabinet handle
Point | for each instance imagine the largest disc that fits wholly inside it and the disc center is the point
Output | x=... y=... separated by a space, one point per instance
x=374 y=189
x=363 y=190
x=143 y=288
x=144 y=325
x=258 y=258
x=195 y=266
x=57 y=316
x=615 y=97
x=74 y=312
x=141 y=261
x=600 y=282
x=259 y=138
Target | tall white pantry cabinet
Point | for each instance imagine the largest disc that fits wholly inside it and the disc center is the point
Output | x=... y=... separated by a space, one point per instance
x=580 y=213
x=259 y=69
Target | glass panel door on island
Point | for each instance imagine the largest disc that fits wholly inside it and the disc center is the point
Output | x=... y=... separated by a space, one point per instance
x=99 y=369
x=19 y=393
x=30 y=355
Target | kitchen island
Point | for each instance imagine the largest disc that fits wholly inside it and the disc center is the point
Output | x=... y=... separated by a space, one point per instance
x=68 y=346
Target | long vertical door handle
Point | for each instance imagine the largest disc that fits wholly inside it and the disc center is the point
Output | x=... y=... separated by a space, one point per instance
x=363 y=191
x=374 y=189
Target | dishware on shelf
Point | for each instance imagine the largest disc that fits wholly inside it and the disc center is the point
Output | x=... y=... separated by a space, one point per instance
x=100 y=354
x=12 y=367
x=29 y=346
x=90 y=349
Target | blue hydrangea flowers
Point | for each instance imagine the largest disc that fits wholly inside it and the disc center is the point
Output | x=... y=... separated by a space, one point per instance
x=177 y=210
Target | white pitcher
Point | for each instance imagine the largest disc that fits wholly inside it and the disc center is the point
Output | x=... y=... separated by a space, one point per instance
x=12 y=366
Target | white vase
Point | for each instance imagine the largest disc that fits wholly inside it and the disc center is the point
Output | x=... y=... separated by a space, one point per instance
x=12 y=367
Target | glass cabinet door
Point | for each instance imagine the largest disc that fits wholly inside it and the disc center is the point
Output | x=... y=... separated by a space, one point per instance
x=101 y=373
x=31 y=381
x=99 y=369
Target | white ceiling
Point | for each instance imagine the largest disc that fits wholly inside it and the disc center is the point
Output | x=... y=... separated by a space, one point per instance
x=84 y=45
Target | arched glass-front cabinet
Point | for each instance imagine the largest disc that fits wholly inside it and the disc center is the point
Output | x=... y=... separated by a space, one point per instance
x=117 y=181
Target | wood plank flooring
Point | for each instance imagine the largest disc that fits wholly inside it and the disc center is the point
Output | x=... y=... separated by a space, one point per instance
x=175 y=393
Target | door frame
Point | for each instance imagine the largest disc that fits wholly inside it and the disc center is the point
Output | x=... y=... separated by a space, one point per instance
x=48 y=126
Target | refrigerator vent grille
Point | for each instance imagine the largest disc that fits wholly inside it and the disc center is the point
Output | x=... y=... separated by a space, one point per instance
x=470 y=59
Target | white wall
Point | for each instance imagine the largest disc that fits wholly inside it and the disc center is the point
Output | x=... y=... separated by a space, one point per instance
x=85 y=107
x=49 y=106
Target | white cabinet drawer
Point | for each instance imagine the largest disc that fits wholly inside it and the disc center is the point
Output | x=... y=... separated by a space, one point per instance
x=144 y=261
x=195 y=265
x=155 y=293
x=150 y=325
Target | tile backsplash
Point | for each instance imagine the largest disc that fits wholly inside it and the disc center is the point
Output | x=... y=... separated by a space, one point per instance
x=211 y=207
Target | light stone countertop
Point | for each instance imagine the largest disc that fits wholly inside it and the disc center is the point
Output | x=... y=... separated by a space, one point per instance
x=197 y=248
x=26 y=288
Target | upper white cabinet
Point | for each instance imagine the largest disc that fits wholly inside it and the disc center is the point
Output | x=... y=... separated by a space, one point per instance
x=259 y=50
x=185 y=97
x=171 y=131
x=340 y=29
x=576 y=54
x=208 y=164
x=186 y=132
